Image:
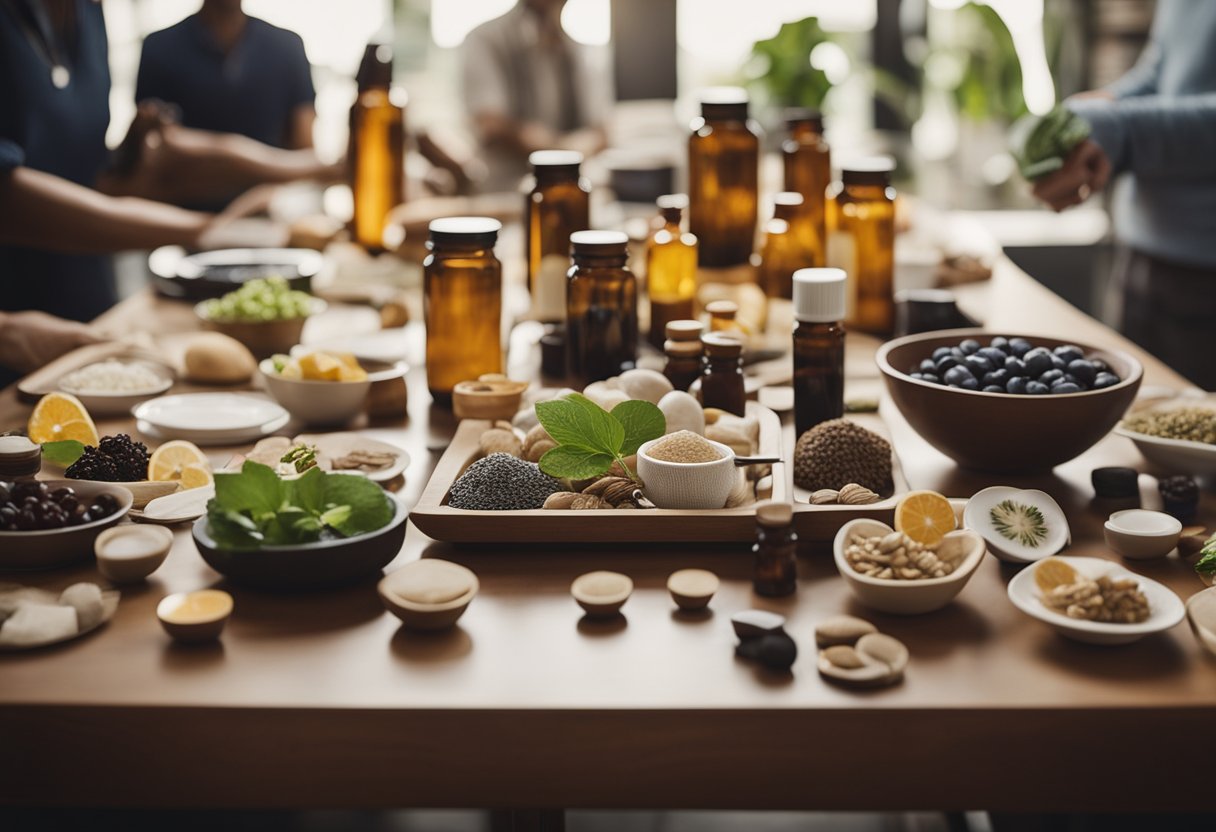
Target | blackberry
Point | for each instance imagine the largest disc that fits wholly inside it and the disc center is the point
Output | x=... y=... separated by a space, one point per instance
x=115 y=459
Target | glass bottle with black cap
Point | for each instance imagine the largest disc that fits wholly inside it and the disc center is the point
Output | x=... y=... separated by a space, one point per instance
x=557 y=202
x=601 y=307
x=723 y=178
x=377 y=147
x=861 y=241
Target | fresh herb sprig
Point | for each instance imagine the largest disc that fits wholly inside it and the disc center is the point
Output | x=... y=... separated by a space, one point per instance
x=63 y=452
x=590 y=439
x=1206 y=565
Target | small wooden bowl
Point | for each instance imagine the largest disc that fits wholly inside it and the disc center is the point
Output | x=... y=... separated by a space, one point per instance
x=195 y=617
x=692 y=589
x=127 y=554
x=428 y=594
x=493 y=397
x=602 y=594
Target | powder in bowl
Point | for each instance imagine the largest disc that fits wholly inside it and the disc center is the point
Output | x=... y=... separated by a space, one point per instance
x=684 y=446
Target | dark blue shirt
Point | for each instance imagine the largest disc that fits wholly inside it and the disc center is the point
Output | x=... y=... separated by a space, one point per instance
x=253 y=89
x=60 y=131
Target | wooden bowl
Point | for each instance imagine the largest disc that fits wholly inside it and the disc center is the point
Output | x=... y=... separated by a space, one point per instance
x=428 y=594
x=262 y=338
x=602 y=594
x=53 y=548
x=998 y=431
x=195 y=617
x=493 y=397
x=692 y=589
x=324 y=564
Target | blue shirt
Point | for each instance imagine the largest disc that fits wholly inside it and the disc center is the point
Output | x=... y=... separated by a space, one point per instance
x=60 y=131
x=252 y=89
x=1161 y=132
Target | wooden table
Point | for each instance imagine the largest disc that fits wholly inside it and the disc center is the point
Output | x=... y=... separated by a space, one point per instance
x=321 y=701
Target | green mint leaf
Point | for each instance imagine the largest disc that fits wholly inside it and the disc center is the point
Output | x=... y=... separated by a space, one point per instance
x=564 y=421
x=572 y=463
x=607 y=434
x=231 y=529
x=306 y=491
x=336 y=516
x=370 y=507
x=1206 y=565
x=642 y=422
x=256 y=489
x=64 y=452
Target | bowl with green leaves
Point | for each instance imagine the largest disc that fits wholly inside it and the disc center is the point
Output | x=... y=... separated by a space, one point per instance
x=313 y=531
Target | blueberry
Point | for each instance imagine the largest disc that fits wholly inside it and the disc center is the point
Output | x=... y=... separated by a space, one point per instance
x=994 y=355
x=970 y=346
x=1069 y=353
x=1019 y=346
x=1099 y=365
x=940 y=352
x=1037 y=388
x=1016 y=385
x=978 y=364
x=1001 y=343
x=997 y=377
x=957 y=375
x=1065 y=387
x=1083 y=370
x=957 y=353
x=1015 y=366
x=927 y=366
x=1058 y=363
x=931 y=377
x=994 y=388
x=970 y=384
x=1105 y=380
x=946 y=363
x=1051 y=377
x=1038 y=361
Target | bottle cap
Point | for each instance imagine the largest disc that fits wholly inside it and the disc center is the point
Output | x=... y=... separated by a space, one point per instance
x=804 y=115
x=721 y=345
x=819 y=295
x=672 y=202
x=376 y=68
x=870 y=170
x=598 y=242
x=724 y=309
x=687 y=330
x=774 y=515
x=787 y=204
x=555 y=158
x=724 y=102
x=483 y=230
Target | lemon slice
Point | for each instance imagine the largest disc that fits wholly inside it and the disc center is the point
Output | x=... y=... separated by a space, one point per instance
x=1052 y=573
x=925 y=516
x=180 y=461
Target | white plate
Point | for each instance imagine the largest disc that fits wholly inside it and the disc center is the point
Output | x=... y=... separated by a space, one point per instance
x=179 y=507
x=1176 y=455
x=116 y=404
x=1165 y=608
x=334 y=445
x=975 y=517
x=109 y=604
x=210 y=418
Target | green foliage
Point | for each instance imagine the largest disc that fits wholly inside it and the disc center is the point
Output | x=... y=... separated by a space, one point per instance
x=990 y=85
x=785 y=72
x=589 y=439
x=64 y=452
x=1040 y=145
x=1206 y=565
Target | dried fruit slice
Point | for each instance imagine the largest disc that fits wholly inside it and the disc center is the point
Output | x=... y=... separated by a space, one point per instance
x=1052 y=573
x=925 y=516
x=182 y=461
x=59 y=416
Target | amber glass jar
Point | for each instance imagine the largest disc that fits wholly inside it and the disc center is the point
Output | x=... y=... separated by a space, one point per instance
x=808 y=171
x=722 y=373
x=789 y=245
x=376 y=154
x=775 y=568
x=683 y=349
x=601 y=307
x=819 y=306
x=671 y=269
x=557 y=202
x=861 y=240
x=462 y=286
x=723 y=178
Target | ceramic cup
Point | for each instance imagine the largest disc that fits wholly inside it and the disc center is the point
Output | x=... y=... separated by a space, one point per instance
x=687 y=485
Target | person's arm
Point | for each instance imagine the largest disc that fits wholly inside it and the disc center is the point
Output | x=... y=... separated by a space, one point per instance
x=1155 y=136
x=29 y=340
x=303 y=117
x=1142 y=78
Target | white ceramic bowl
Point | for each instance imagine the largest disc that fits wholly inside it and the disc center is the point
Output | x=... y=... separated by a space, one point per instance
x=1165 y=608
x=1140 y=534
x=1173 y=455
x=906 y=597
x=687 y=485
x=115 y=404
x=316 y=402
x=1201 y=615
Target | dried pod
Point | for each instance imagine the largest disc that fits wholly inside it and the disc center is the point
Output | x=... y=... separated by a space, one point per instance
x=824 y=497
x=614 y=490
x=842 y=655
x=852 y=494
x=500 y=440
x=589 y=501
x=537 y=443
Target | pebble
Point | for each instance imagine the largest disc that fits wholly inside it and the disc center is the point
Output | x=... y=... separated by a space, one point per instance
x=842 y=629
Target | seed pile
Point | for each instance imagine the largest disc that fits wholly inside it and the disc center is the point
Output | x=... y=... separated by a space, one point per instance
x=1194 y=424
x=838 y=452
x=111 y=377
x=501 y=482
x=115 y=459
x=683 y=446
x=896 y=557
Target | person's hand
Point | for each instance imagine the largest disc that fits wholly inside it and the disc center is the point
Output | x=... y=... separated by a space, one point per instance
x=30 y=340
x=1085 y=171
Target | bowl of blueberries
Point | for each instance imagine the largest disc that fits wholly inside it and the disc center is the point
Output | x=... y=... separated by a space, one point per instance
x=1007 y=403
x=51 y=523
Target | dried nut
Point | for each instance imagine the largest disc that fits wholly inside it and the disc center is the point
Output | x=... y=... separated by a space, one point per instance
x=891 y=542
x=853 y=494
x=574 y=501
x=881 y=647
x=500 y=440
x=842 y=655
x=824 y=496
x=614 y=490
x=841 y=629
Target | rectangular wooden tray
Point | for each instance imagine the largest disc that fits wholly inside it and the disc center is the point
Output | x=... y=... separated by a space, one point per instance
x=435 y=518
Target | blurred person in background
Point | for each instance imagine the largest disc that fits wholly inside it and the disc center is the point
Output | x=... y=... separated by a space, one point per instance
x=527 y=87
x=1155 y=130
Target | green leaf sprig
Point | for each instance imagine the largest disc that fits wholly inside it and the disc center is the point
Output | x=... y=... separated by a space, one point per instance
x=590 y=439
x=1206 y=565
x=62 y=452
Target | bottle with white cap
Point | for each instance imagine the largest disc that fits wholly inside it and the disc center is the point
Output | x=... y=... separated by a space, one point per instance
x=819 y=307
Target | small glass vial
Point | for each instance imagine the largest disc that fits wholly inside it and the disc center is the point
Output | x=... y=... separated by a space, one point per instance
x=376 y=153
x=789 y=245
x=723 y=178
x=861 y=240
x=601 y=307
x=462 y=293
x=775 y=569
x=557 y=202
x=722 y=373
x=671 y=268
x=683 y=349
x=808 y=171
x=819 y=305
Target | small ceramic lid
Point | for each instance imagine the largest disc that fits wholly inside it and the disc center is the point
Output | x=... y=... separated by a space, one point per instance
x=721 y=345
x=693 y=583
x=686 y=330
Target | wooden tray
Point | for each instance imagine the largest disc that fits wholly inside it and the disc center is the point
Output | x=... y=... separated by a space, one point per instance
x=433 y=516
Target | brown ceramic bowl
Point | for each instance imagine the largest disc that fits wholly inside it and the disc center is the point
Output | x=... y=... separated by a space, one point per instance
x=54 y=548
x=999 y=431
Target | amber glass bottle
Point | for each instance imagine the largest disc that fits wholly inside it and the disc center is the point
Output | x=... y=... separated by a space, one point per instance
x=819 y=305
x=722 y=373
x=601 y=307
x=808 y=171
x=683 y=350
x=723 y=178
x=861 y=240
x=671 y=269
x=775 y=569
x=376 y=154
x=789 y=245
x=557 y=202
x=462 y=294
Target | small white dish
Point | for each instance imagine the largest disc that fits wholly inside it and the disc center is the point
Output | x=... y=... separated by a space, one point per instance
x=1165 y=608
x=1201 y=615
x=316 y=402
x=119 y=404
x=211 y=418
x=337 y=445
x=1175 y=455
x=977 y=513
x=109 y=605
x=178 y=507
x=130 y=553
x=1140 y=534
x=687 y=485
x=907 y=597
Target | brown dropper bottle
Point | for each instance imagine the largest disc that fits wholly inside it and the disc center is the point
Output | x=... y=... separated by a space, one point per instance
x=671 y=268
x=861 y=240
x=377 y=147
x=819 y=304
x=775 y=568
x=808 y=171
x=601 y=307
x=789 y=245
x=557 y=202
x=722 y=383
x=723 y=178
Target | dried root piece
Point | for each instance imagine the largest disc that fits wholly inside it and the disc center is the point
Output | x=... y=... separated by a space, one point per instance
x=537 y=443
x=502 y=440
x=614 y=490
x=824 y=497
x=574 y=501
x=853 y=494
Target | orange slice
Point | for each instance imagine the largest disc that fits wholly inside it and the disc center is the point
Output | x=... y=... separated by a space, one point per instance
x=181 y=461
x=1052 y=573
x=59 y=416
x=925 y=516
